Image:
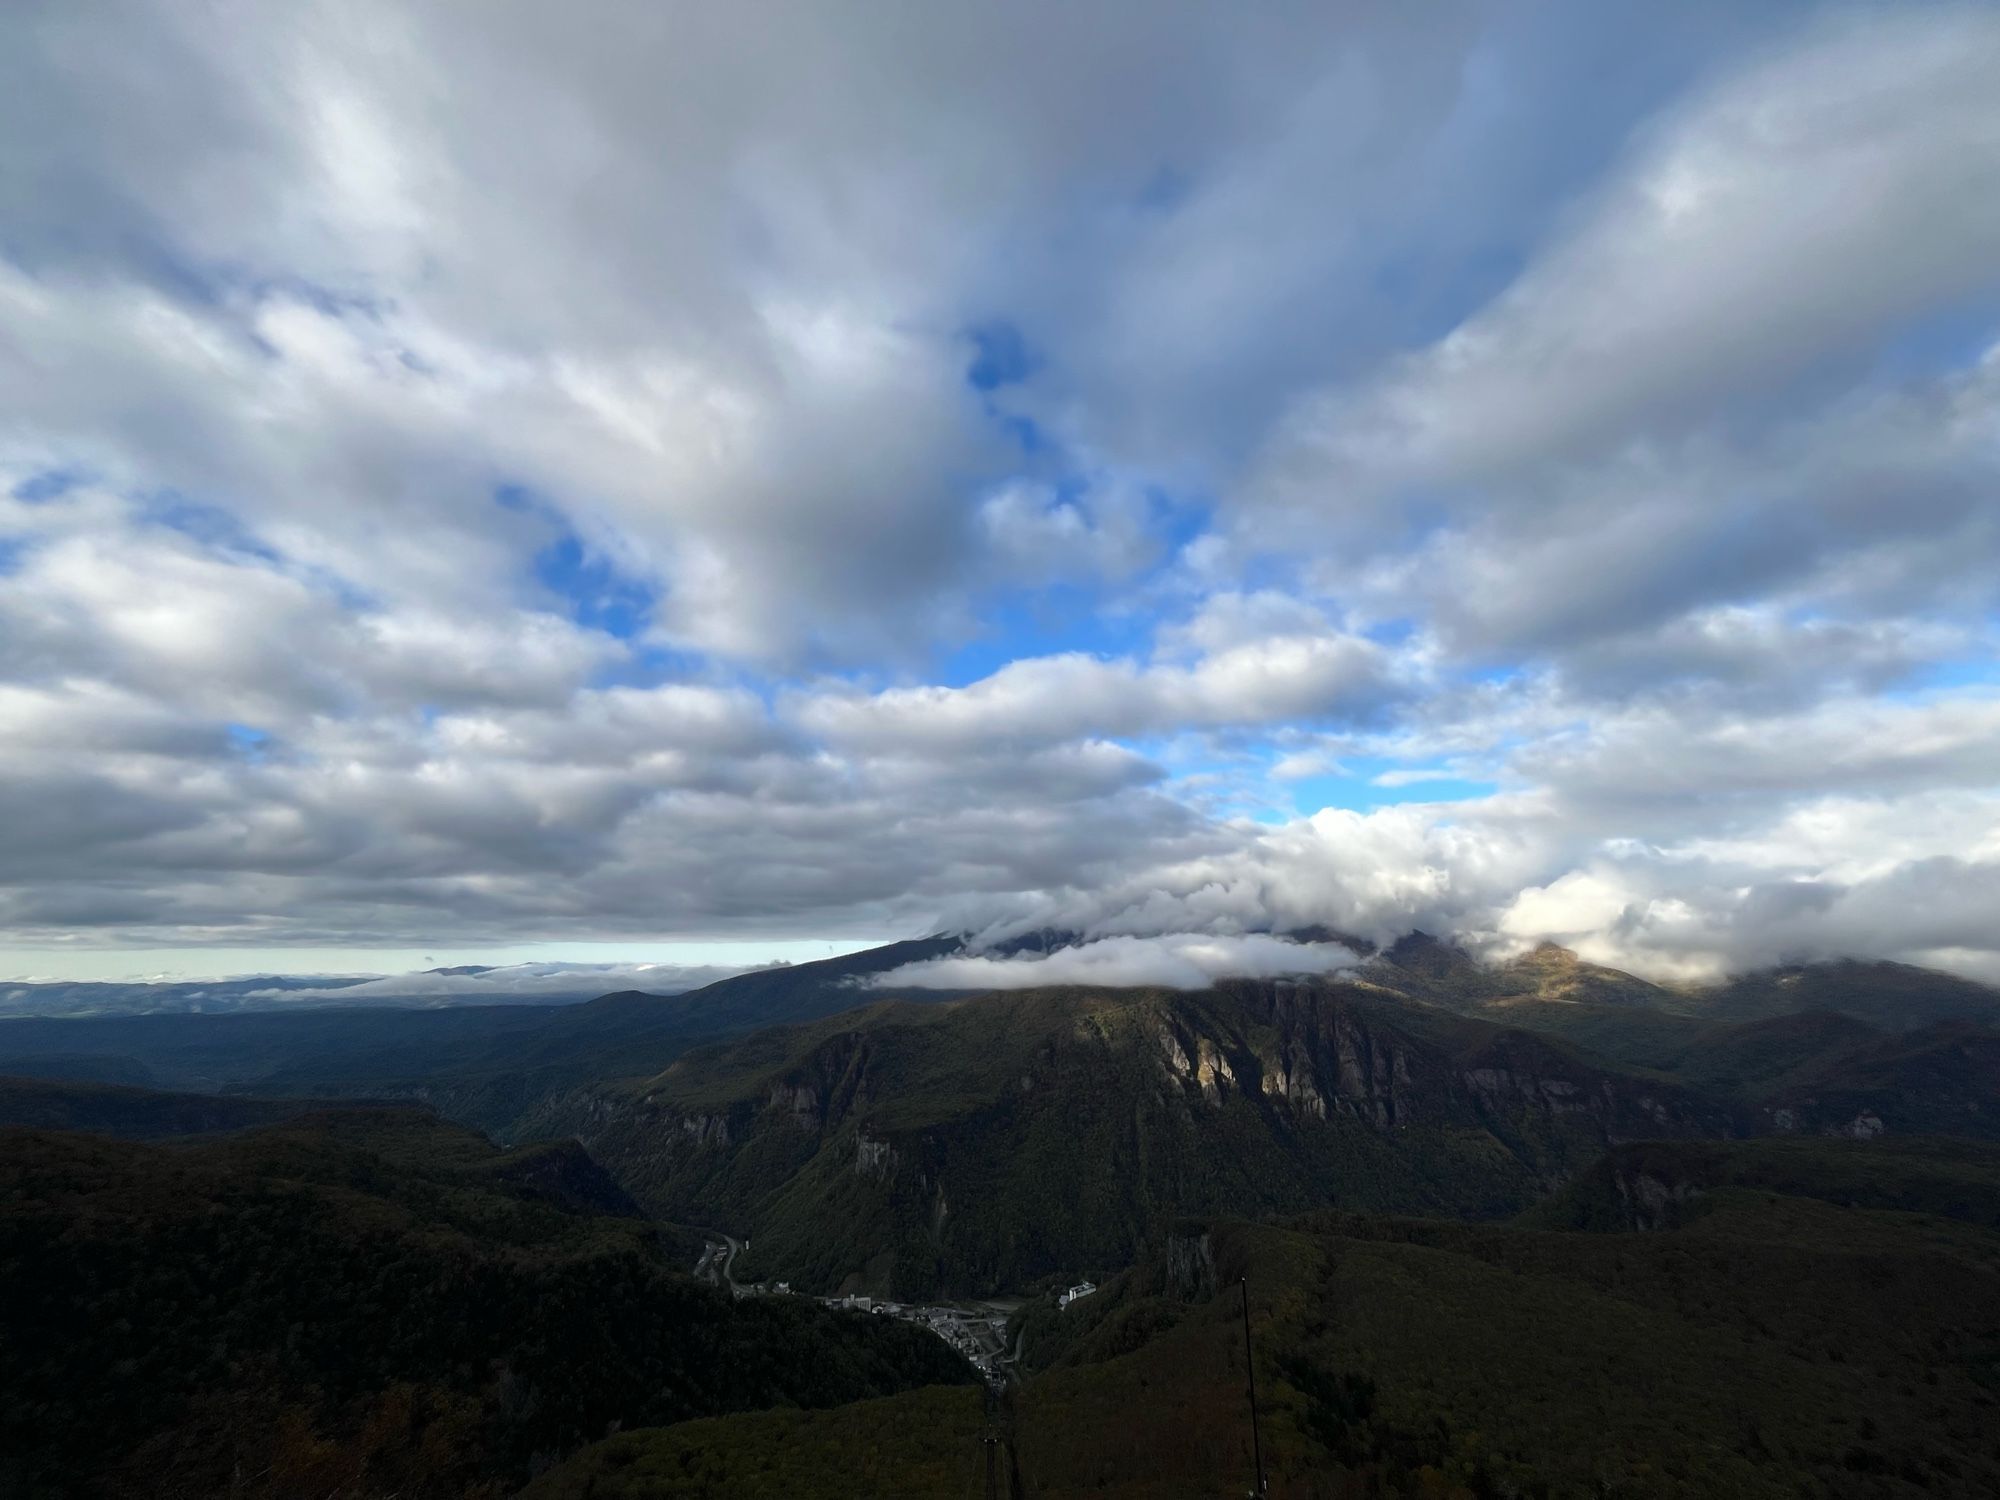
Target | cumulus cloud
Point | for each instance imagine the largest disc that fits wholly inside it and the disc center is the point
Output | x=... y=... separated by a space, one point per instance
x=1037 y=534
x=1901 y=876
x=1678 y=443
x=1099 y=468
x=277 y=270
x=1177 y=961
x=1770 y=221
x=1328 y=675
x=1686 y=919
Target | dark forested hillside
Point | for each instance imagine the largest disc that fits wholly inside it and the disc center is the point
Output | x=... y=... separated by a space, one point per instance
x=139 y=1113
x=1815 y=1072
x=1785 y=1341
x=243 y=1052
x=1895 y=997
x=367 y=1303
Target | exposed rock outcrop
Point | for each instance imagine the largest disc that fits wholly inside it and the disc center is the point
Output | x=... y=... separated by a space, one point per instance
x=874 y=1158
x=1190 y=1267
x=1653 y=1201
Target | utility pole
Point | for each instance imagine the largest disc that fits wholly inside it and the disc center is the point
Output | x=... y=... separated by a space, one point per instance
x=1250 y=1371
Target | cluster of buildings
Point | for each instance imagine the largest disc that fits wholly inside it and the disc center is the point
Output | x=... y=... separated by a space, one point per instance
x=980 y=1339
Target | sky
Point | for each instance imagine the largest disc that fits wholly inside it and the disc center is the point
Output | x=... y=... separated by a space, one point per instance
x=677 y=480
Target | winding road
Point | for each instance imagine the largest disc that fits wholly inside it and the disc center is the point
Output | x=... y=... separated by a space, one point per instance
x=718 y=1261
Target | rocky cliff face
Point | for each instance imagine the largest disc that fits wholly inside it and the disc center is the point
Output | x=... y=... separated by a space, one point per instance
x=1645 y=1187
x=1320 y=1054
x=1654 y=1200
x=1937 y=1080
x=1190 y=1266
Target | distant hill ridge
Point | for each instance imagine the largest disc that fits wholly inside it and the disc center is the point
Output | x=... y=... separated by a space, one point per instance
x=1417 y=963
x=488 y=1065
x=141 y=1114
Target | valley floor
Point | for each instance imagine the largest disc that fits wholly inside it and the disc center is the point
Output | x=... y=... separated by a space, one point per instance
x=976 y=1331
x=1783 y=1336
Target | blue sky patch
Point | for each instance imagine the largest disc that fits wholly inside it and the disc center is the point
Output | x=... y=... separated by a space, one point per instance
x=1001 y=356
x=210 y=525
x=50 y=484
x=1357 y=789
x=590 y=588
x=595 y=593
x=249 y=742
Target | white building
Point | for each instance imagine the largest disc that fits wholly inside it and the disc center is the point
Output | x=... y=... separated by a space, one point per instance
x=1081 y=1289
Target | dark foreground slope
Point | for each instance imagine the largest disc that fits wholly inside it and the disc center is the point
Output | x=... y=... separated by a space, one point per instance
x=140 y=1114
x=367 y=1303
x=1781 y=1342
x=981 y=1144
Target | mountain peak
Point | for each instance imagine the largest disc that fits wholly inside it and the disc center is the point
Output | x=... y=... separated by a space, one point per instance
x=1548 y=955
x=1429 y=956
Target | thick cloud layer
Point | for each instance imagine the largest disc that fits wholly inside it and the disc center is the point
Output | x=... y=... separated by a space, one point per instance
x=1179 y=961
x=664 y=473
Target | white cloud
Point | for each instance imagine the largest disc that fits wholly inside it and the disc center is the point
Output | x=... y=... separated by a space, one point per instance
x=1790 y=213
x=1038 y=536
x=1834 y=876
x=1327 y=675
x=511 y=983
x=1298 y=765
x=1414 y=776
x=1582 y=400
x=1180 y=961
x=1675 y=759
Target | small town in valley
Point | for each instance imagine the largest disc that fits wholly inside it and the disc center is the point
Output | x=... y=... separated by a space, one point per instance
x=976 y=1329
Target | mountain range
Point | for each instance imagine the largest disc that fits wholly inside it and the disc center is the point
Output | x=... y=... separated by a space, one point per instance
x=965 y=1145
x=1767 y=1207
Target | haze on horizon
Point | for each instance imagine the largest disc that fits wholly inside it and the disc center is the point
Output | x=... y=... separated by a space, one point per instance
x=659 y=481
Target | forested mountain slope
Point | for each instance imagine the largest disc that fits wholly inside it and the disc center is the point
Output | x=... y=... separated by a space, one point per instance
x=1782 y=1341
x=981 y=1143
x=141 y=1114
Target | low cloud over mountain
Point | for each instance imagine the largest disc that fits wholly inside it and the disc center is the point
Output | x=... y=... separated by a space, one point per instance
x=526 y=982
x=1181 y=961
